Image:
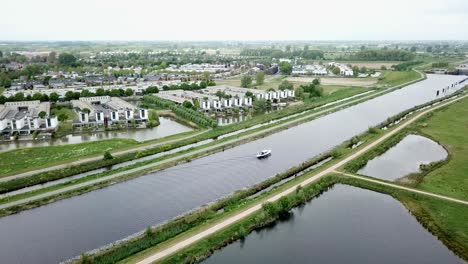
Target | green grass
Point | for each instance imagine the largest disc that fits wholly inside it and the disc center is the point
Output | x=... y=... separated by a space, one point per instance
x=1 y=90
x=392 y=78
x=449 y=126
x=20 y=160
x=65 y=127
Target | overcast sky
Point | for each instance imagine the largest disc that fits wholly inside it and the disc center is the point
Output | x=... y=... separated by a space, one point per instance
x=234 y=20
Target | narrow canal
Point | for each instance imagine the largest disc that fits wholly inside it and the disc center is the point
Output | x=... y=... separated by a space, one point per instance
x=167 y=127
x=67 y=228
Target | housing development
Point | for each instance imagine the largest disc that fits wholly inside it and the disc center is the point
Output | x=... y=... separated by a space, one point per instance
x=202 y=132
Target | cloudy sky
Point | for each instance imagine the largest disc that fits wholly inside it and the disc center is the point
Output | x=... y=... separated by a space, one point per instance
x=234 y=20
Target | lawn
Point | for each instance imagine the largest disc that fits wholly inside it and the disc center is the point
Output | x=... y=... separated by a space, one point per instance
x=20 y=160
x=393 y=78
x=65 y=127
x=449 y=126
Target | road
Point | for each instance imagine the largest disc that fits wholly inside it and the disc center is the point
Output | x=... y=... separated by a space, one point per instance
x=241 y=215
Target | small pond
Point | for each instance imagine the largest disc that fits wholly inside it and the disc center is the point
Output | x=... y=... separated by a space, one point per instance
x=404 y=158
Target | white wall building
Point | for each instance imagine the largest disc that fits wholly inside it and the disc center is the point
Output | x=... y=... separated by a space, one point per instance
x=26 y=117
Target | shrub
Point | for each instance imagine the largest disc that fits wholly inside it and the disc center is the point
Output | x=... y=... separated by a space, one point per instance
x=108 y=155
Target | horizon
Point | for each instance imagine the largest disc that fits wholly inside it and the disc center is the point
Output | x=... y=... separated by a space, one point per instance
x=341 y=20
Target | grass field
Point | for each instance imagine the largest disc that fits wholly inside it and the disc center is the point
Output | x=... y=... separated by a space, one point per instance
x=39 y=157
x=449 y=126
x=392 y=78
x=1 y=90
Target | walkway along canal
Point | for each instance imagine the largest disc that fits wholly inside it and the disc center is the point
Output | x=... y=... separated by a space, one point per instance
x=69 y=227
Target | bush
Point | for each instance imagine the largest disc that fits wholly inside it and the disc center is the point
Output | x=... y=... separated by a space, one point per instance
x=108 y=155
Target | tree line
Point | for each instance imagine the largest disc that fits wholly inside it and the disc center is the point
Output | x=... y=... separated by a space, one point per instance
x=383 y=55
x=184 y=112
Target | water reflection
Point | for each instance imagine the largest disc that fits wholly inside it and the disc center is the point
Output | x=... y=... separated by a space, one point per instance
x=404 y=158
x=167 y=127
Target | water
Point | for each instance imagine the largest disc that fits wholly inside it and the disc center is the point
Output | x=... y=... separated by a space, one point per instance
x=166 y=128
x=344 y=225
x=69 y=227
x=404 y=158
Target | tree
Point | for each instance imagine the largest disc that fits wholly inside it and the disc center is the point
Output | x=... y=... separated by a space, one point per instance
x=69 y=95
x=316 y=81
x=285 y=68
x=62 y=117
x=206 y=76
x=413 y=49
x=54 y=97
x=246 y=81
x=86 y=110
x=261 y=105
x=429 y=49
x=336 y=70
x=129 y=92
x=299 y=92
x=37 y=96
x=383 y=67
x=108 y=156
x=285 y=85
x=52 y=58
x=259 y=77
x=249 y=94
x=187 y=104
x=66 y=59
x=196 y=103
x=42 y=114
x=100 y=92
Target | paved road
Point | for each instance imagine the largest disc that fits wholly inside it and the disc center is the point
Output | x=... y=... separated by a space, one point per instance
x=241 y=215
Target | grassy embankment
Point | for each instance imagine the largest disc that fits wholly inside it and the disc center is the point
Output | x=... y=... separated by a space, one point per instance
x=391 y=78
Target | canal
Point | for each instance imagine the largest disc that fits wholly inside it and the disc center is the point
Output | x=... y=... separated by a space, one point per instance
x=167 y=127
x=67 y=228
x=344 y=225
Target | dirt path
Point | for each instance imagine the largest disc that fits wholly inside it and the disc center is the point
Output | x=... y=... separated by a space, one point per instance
x=241 y=215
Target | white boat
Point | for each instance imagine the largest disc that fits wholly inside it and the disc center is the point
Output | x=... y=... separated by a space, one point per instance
x=263 y=154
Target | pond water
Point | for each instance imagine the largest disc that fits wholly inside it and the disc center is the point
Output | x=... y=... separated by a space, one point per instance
x=344 y=225
x=67 y=228
x=166 y=128
x=404 y=158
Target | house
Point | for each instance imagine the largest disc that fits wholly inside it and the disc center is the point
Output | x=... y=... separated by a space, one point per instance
x=26 y=117
x=106 y=110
